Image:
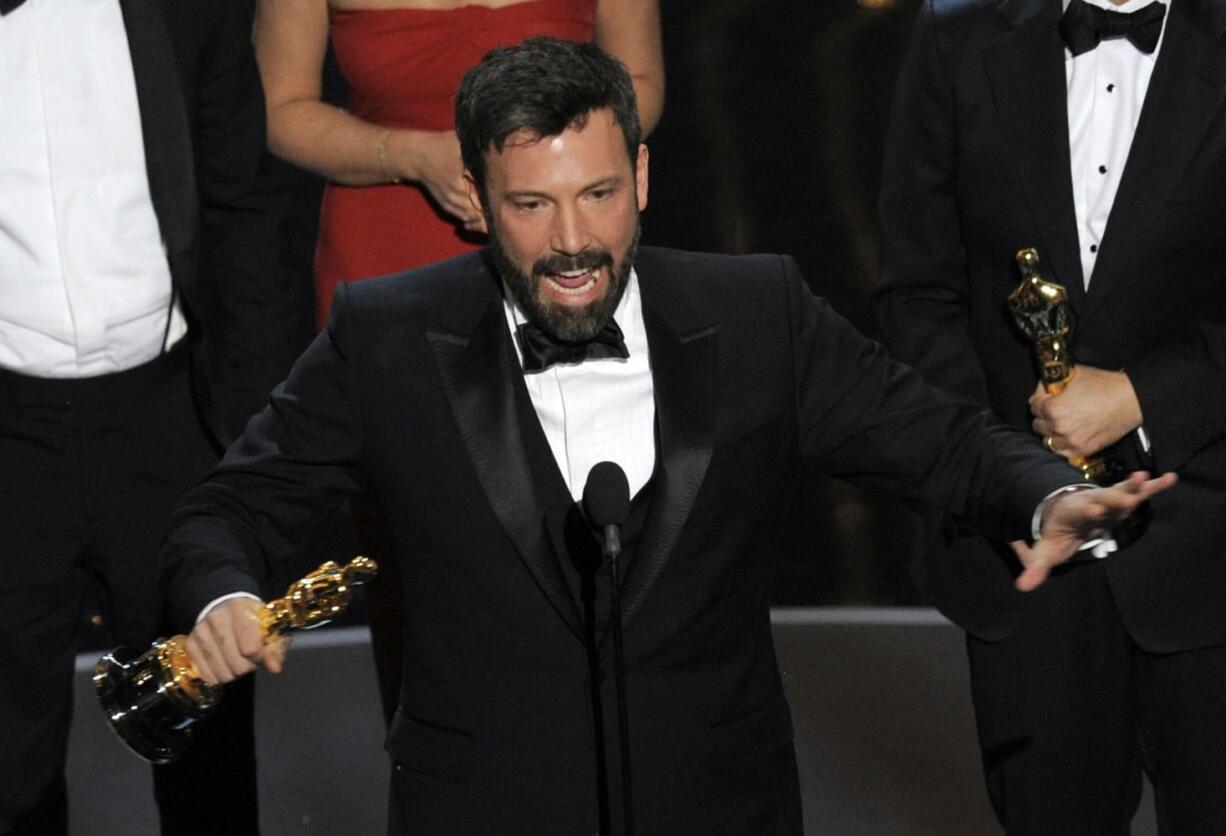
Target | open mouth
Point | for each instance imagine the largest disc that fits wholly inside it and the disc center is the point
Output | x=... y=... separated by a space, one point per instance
x=574 y=282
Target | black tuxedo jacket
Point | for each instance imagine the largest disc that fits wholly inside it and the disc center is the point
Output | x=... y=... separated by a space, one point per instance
x=412 y=392
x=977 y=167
x=202 y=121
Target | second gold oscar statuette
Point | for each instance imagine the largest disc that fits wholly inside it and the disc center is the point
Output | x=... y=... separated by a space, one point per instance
x=1041 y=310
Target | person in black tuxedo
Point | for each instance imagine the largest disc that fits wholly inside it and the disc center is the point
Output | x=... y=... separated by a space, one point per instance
x=475 y=415
x=140 y=285
x=1098 y=136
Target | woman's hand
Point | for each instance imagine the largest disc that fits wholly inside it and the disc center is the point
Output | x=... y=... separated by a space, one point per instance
x=432 y=159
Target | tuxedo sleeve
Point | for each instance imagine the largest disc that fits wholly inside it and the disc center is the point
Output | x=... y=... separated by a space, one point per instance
x=1181 y=386
x=922 y=299
x=865 y=418
x=250 y=331
x=298 y=460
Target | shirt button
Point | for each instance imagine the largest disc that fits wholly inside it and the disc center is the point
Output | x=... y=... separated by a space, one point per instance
x=1102 y=169
x=1110 y=88
x=1094 y=248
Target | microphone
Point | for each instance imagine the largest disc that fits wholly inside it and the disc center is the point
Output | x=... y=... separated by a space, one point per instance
x=606 y=500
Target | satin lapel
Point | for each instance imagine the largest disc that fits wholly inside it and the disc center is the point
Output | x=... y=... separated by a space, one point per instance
x=683 y=362
x=165 y=130
x=1187 y=89
x=479 y=375
x=1026 y=70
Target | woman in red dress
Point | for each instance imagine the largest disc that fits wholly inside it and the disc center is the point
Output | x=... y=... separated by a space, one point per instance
x=395 y=198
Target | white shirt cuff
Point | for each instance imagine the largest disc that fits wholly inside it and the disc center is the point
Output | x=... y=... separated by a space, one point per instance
x=1099 y=548
x=1143 y=438
x=211 y=605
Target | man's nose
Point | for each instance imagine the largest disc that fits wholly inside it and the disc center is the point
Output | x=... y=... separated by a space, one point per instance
x=570 y=235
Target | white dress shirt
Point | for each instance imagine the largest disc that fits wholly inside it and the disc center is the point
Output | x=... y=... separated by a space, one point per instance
x=598 y=410
x=1106 y=89
x=85 y=287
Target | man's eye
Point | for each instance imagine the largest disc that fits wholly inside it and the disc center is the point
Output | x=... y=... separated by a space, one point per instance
x=528 y=205
x=600 y=194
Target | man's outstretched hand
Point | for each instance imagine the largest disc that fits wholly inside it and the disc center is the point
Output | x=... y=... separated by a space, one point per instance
x=1077 y=516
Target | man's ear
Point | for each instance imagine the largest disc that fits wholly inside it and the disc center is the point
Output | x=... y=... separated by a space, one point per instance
x=474 y=197
x=640 y=177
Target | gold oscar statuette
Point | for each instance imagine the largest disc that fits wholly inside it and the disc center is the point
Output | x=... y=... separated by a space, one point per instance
x=1041 y=311
x=152 y=699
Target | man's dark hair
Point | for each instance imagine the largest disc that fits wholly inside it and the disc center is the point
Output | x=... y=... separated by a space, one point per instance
x=542 y=86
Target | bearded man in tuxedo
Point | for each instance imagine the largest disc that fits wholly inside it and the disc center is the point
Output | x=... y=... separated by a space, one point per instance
x=474 y=396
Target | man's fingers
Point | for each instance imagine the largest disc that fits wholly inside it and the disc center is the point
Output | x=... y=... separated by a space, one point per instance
x=232 y=650
x=213 y=661
x=1110 y=504
x=247 y=630
x=1039 y=560
x=228 y=642
x=1125 y=497
x=200 y=659
x=1033 y=576
x=273 y=656
x=1156 y=486
x=1079 y=516
x=1137 y=488
x=1038 y=395
x=218 y=660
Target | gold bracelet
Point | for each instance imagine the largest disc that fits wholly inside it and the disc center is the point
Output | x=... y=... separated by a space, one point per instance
x=383 y=157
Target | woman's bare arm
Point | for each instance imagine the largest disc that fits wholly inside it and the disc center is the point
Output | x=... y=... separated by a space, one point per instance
x=629 y=30
x=291 y=37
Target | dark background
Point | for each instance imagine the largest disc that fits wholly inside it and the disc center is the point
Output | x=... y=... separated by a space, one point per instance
x=771 y=141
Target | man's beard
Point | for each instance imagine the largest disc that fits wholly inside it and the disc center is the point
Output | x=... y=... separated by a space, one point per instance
x=574 y=325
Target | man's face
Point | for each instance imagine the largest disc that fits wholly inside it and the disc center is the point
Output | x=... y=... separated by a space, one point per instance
x=563 y=213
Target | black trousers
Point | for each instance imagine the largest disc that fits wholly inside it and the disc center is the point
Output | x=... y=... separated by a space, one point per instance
x=90 y=472
x=1070 y=710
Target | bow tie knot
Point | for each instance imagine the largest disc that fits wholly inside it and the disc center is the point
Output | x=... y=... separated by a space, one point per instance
x=1084 y=26
x=541 y=349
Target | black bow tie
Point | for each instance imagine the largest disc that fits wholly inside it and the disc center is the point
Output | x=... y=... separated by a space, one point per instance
x=542 y=350
x=1084 y=26
x=7 y=6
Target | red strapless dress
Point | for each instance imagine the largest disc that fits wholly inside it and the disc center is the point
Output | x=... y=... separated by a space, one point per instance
x=403 y=67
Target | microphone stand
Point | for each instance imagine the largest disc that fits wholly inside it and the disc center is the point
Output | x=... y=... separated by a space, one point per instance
x=606 y=500
x=612 y=550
